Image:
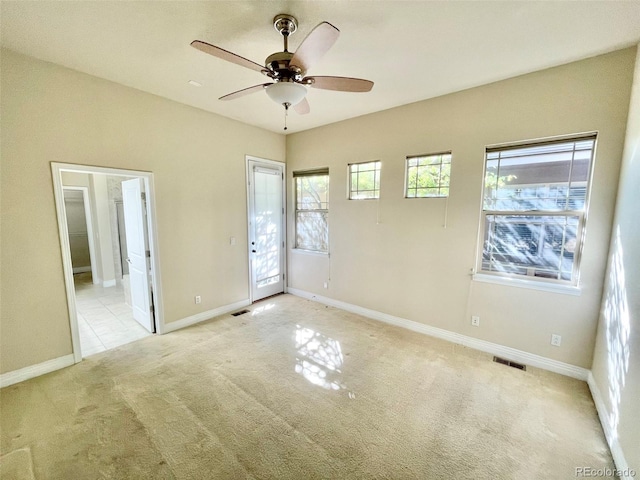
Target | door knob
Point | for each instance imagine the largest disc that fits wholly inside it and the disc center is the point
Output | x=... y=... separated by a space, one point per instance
x=128 y=260
x=253 y=251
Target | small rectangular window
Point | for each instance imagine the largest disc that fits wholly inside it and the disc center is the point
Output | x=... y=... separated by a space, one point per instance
x=364 y=180
x=312 y=209
x=535 y=198
x=428 y=175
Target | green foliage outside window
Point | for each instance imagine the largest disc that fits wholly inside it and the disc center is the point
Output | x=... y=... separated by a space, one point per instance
x=428 y=176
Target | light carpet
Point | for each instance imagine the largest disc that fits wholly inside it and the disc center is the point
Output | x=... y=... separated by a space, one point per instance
x=298 y=390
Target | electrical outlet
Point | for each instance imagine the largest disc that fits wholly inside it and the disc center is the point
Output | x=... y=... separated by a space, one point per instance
x=556 y=340
x=326 y=284
x=475 y=321
x=197 y=299
x=232 y=240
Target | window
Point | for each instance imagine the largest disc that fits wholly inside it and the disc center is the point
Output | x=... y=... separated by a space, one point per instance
x=312 y=208
x=428 y=175
x=364 y=180
x=535 y=198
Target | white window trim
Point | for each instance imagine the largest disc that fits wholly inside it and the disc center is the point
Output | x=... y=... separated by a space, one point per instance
x=544 y=284
x=541 y=284
x=349 y=173
x=406 y=175
x=307 y=173
x=304 y=251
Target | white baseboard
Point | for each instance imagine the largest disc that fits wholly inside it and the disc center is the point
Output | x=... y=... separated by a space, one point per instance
x=81 y=269
x=109 y=283
x=482 y=345
x=611 y=436
x=201 y=317
x=33 y=371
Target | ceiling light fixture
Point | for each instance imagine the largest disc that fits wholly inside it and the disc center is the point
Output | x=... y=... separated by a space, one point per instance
x=286 y=93
x=194 y=83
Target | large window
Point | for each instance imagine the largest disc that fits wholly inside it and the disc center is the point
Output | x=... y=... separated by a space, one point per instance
x=428 y=175
x=312 y=208
x=364 y=180
x=535 y=198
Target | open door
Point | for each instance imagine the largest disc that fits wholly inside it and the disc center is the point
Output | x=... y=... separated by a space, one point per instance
x=266 y=228
x=137 y=245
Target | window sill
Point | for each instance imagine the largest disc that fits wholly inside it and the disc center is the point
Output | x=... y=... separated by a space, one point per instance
x=309 y=252
x=530 y=284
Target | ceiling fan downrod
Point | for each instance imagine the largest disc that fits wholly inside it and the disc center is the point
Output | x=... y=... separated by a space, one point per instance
x=286 y=25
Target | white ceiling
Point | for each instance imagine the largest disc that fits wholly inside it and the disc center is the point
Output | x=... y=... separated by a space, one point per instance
x=411 y=50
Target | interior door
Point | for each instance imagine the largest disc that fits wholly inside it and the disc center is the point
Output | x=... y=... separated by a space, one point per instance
x=136 y=233
x=266 y=228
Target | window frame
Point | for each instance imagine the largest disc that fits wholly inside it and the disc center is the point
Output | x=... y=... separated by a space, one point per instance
x=426 y=155
x=376 y=176
x=319 y=172
x=530 y=281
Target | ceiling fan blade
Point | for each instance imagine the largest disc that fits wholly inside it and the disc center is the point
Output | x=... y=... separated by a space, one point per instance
x=340 y=84
x=302 y=107
x=314 y=46
x=244 y=91
x=226 y=55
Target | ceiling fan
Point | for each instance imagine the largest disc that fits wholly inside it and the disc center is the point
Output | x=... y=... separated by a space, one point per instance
x=288 y=70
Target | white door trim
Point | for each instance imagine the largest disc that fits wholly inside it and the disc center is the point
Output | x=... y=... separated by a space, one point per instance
x=282 y=165
x=56 y=170
x=87 y=215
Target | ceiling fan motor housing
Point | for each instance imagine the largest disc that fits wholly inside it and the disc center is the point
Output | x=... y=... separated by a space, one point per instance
x=279 y=68
x=278 y=64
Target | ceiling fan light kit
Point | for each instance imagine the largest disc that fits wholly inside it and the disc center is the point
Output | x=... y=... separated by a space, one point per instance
x=286 y=93
x=287 y=70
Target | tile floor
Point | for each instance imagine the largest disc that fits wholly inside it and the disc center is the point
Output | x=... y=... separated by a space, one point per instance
x=105 y=321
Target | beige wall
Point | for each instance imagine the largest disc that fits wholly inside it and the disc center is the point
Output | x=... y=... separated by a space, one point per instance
x=53 y=114
x=616 y=363
x=395 y=256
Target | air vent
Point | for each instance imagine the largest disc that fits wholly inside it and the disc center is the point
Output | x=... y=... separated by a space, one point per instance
x=509 y=363
x=241 y=312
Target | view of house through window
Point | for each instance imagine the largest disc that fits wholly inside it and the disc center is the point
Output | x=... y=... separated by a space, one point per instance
x=312 y=208
x=428 y=175
x=364 y=180
x=535 y=198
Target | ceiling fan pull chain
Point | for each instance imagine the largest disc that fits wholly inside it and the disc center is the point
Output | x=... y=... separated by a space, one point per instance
x=286 y=114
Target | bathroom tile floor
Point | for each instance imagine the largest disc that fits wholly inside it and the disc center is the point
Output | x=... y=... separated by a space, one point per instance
x=105 y=321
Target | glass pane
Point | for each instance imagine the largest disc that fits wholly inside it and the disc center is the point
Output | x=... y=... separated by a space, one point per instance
x=313 y=192
x=490 y=183
x=312 y=232
x=445 y=174
x=412 y=177
x=430 y=178
x=268 y=213
x=538 y=246
x=549 y=177
x=365 y=180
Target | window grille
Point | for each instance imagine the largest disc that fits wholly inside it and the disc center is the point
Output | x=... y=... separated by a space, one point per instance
x=312 y=209
x=534 y=205
x=364 y=180
x=428 y=175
